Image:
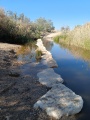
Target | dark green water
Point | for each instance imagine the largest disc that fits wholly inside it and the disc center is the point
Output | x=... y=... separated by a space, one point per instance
x=73 y=66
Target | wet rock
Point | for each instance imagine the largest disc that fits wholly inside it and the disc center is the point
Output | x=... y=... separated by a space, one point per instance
x=60 y=101
x=49 y=78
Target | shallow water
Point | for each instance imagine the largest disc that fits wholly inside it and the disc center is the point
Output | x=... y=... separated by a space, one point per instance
x=27 y=53
x=73 y=66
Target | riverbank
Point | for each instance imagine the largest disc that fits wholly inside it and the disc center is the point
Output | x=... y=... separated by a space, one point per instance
x=79 y=36
x=50 y=36
x=18 y=91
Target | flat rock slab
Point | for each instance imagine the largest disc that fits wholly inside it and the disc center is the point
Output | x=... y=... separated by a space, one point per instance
x=49 y=78
x=47 y=56
x=51 y=63
x=60 y=101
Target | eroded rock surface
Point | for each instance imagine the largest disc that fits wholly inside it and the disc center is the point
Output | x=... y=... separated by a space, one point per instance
x=60 y=101
x=49 y=78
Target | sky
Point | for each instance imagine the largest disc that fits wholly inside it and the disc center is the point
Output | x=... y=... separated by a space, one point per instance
x=61 y=12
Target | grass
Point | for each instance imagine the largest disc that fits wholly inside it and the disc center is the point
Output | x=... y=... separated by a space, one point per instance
x=79 y=36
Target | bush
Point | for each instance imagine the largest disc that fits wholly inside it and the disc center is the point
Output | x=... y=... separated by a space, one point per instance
x=79 y=36
x=19 y=29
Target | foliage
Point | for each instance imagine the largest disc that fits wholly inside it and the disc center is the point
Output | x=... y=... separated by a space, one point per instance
x=19 y=29
x=65 y=30
x=38 y=54
x=79 y=36
x=44 y=25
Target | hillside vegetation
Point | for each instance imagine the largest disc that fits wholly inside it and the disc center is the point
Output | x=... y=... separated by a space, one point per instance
x=19 y=29
x=79 y=36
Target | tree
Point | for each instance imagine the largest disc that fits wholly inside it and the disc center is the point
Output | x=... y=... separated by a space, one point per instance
x=19 y=28
x=65 y=29
x=44 y=25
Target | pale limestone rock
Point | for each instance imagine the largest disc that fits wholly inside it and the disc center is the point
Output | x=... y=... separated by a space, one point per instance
x=47 y=56
x=44 y=57
x=51 y=63
x=60 y=101
x=49 y=78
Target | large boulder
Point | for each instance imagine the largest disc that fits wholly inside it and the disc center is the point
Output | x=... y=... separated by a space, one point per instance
x=49 y=78
x=60 y=101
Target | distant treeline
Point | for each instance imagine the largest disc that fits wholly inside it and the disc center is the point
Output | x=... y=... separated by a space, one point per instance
x=19 y=29
x=79 y=36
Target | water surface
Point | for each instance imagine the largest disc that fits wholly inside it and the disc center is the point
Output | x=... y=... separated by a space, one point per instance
x=28 y=53
x=74 y=67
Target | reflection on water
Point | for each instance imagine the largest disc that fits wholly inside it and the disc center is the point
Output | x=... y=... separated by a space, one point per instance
x=74 y=67
x=28 y=53
x=76 y=51
x=48 y=44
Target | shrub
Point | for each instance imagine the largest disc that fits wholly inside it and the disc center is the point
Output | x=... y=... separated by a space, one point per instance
x=79 y=36
x=19 y=29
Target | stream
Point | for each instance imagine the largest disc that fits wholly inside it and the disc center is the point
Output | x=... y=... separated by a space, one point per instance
x=73 y=66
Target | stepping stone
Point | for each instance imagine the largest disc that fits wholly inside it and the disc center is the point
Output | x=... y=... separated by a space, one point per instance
x=49 y=78
x=60 y=101
x=47 y=56
x=51 y=63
